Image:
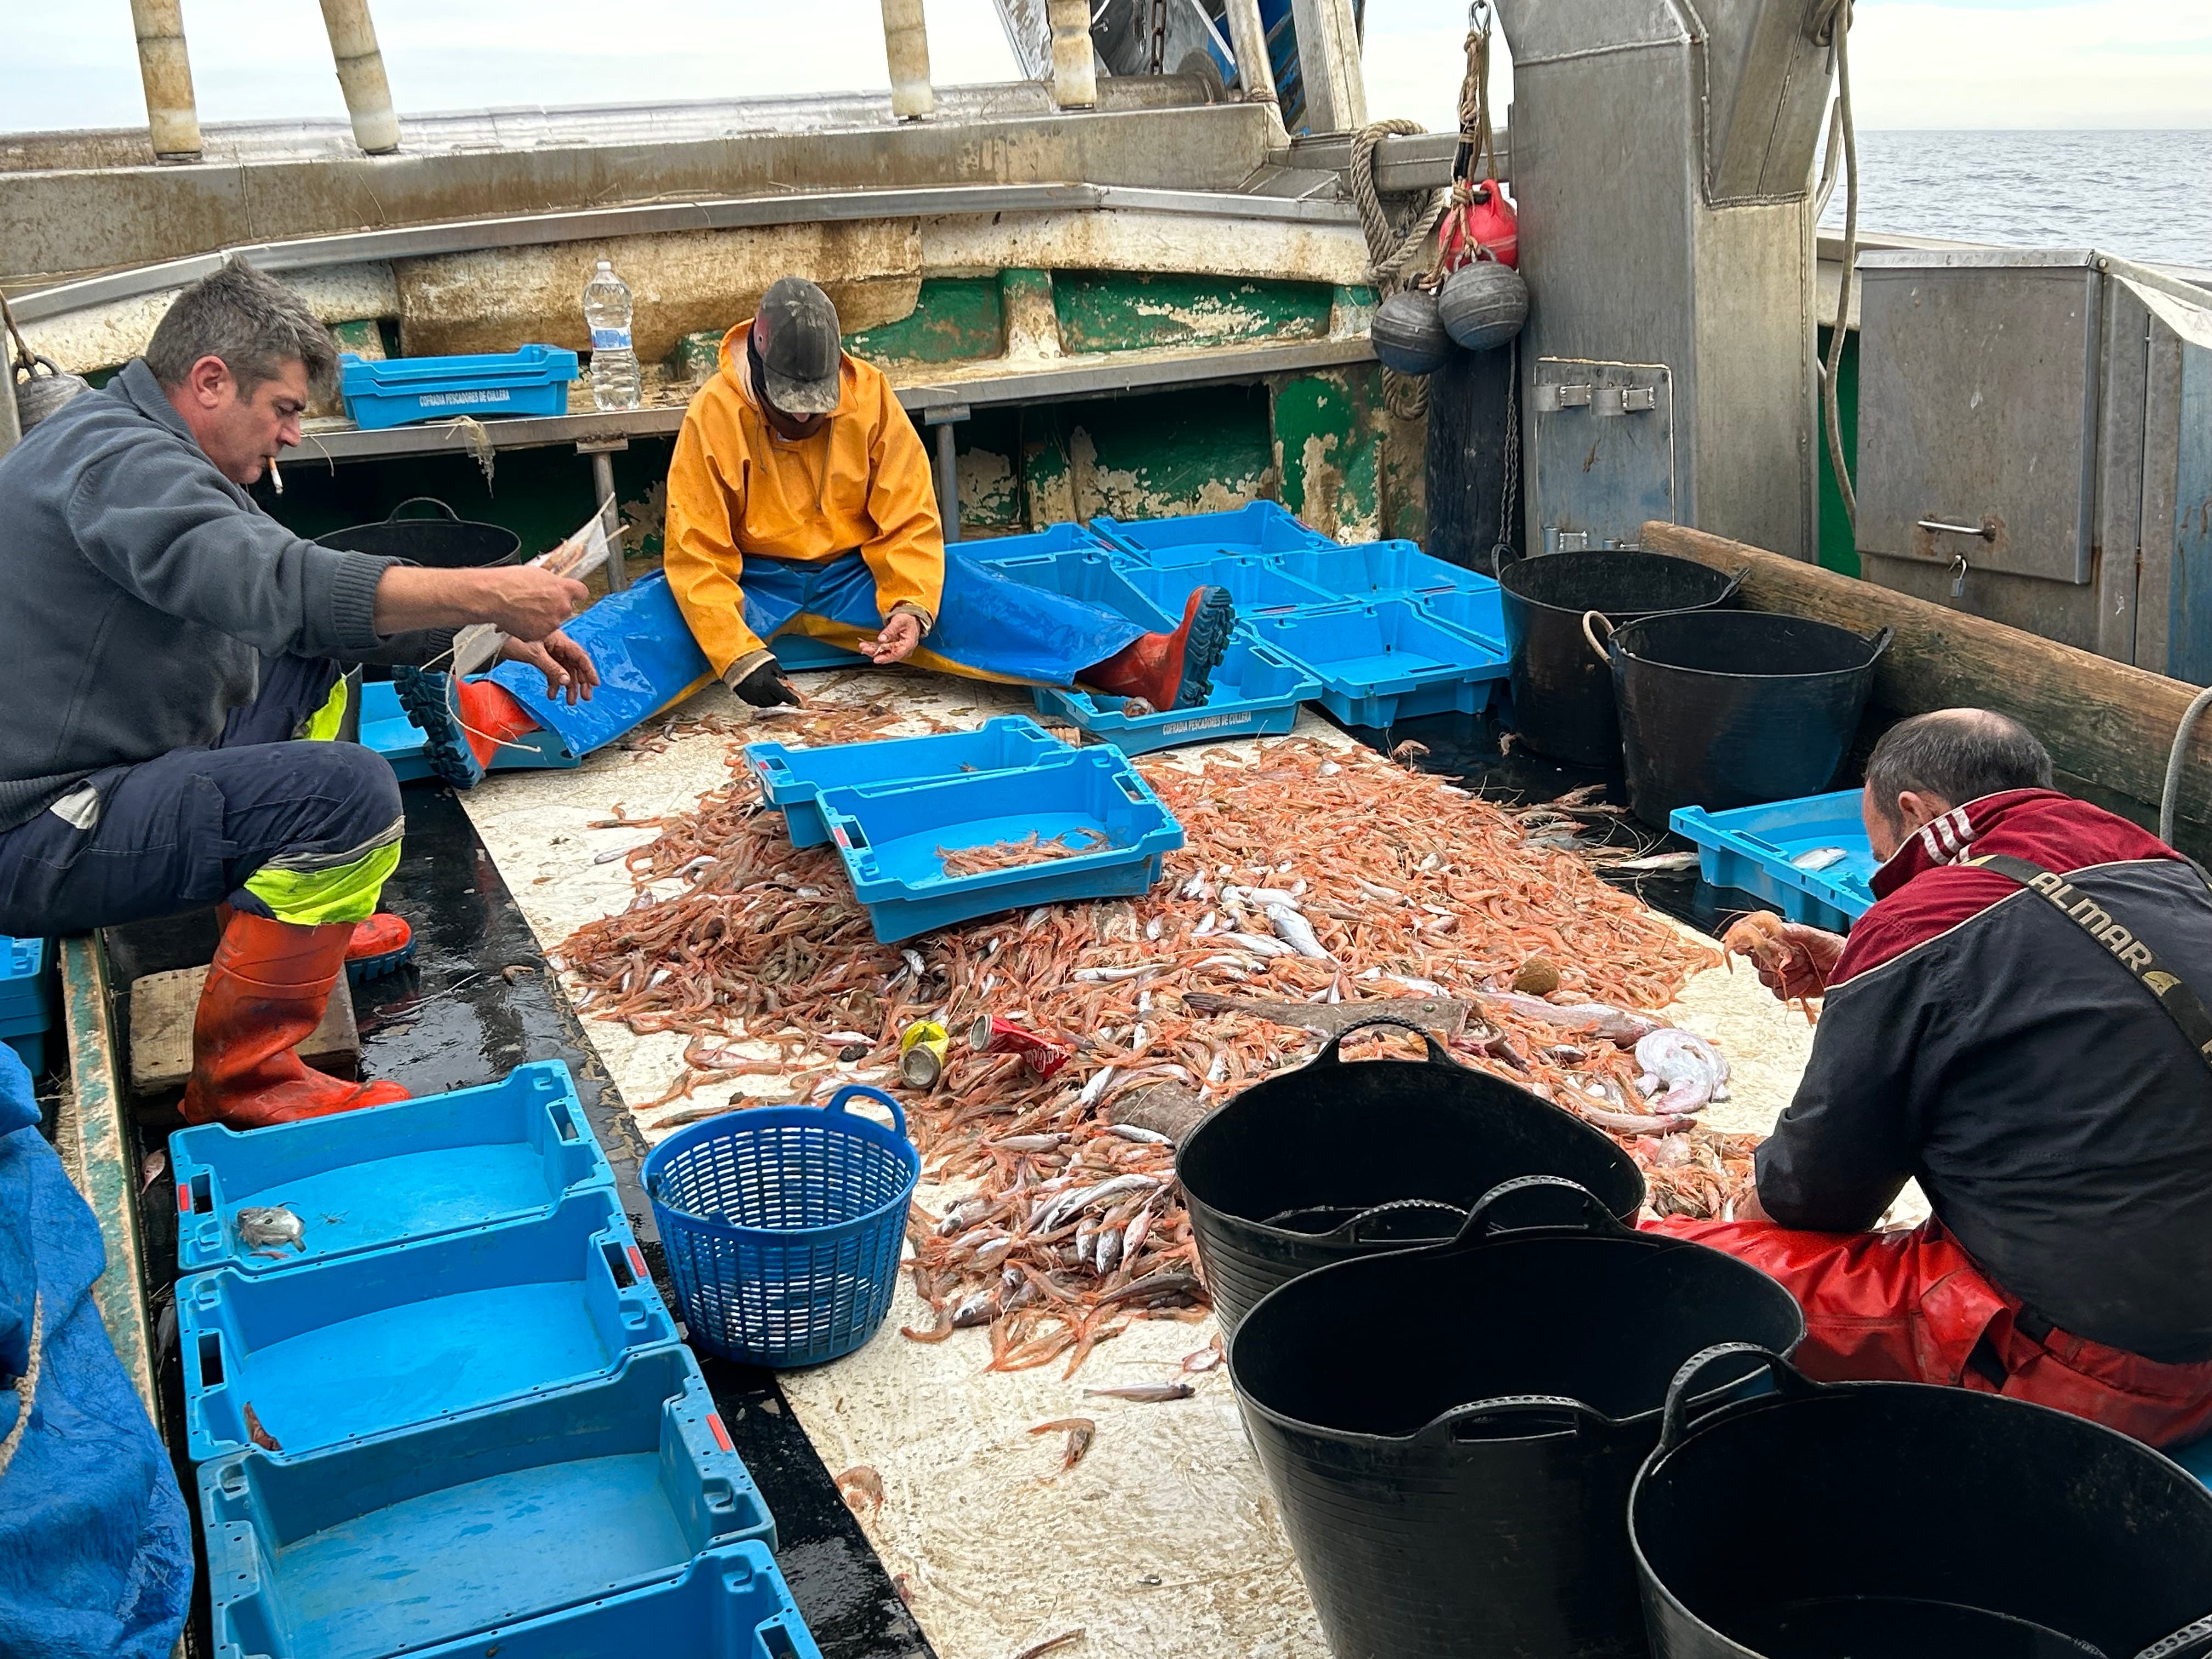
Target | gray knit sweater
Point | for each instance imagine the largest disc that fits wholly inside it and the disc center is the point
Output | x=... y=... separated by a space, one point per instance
x=139 y=589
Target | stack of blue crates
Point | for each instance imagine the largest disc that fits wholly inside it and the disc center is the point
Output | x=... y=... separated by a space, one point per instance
x=1375 y=632
x=26 y=999
x=438 y=1406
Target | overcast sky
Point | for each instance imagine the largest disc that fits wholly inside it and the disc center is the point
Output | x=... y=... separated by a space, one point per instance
x=1971 y=64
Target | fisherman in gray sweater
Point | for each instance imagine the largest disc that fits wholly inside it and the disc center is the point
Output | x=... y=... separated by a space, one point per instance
x=169 y=647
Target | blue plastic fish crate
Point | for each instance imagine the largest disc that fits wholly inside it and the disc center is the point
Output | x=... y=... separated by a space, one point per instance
x=388 y=1338
x=1257 y=530
x=547 y=1509
x=1368 y=570
x=391 y=1174
x=890 y=839
x=30 y=1050
x=732 y=1603
x=793 y=779
x=1256 y=693
x=1063 y=537
x=1386 y=661
x=386 y=728
x=1092 y=574
x=1477 y=609
x=1751 y=847
x=1255 y=584
x=532 y=381
x=23 y=984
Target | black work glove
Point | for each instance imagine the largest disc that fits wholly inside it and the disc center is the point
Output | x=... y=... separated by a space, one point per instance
x=766 y=686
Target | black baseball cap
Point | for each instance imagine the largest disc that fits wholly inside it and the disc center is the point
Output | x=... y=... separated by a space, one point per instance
x=796 y=337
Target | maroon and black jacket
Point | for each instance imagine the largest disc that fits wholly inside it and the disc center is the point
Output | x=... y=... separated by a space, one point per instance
x=1976 y=1041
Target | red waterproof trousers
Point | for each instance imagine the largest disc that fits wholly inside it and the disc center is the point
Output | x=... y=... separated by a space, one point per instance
x=1910 y=1306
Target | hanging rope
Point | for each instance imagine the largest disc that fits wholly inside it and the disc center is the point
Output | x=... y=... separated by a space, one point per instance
x=1838 y=24
x=1395 y=242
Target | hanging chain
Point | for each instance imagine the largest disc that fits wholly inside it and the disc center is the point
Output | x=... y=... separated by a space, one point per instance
x=1159 y=36
x=1508 y=495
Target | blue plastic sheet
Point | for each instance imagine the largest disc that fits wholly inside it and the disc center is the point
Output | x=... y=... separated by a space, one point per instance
x=95 y=1552
x=647 y=659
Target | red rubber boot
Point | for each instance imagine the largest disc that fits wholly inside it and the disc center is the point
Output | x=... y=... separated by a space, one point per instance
x=383 y=944
x=264 y=996
x=1171 y=671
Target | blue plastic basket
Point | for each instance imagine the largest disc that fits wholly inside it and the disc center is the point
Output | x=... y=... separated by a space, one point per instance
x=1256 y=693
x=532 y=381
x=532 y=1512
x=391 y=1174
x=792 y=780
x=1258 y=528
x=1389 y=660
x=1254 y=584
x=1478 y=610
x=23 y=982
x=782 y=1226
x=1750 y=847
x=1093 y=574
x=1367 y=570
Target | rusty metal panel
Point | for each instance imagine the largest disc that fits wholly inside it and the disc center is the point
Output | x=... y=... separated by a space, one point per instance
x=1979 y=386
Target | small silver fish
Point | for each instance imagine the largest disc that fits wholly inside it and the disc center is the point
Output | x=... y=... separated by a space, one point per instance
x=1819 y=858
x=1130 y=1131
x=1657 y=862
x=1295 y=931
x=612 y=854
x=260 y=1227
x=1109 y=975
x=1690 y=1068
x=1259 y=944
x=1144 y=1393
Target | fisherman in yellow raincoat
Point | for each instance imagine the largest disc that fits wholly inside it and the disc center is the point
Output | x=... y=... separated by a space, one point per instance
x=799 y=502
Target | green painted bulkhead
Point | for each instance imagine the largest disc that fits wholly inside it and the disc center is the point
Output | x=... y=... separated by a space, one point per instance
x=1319 y=441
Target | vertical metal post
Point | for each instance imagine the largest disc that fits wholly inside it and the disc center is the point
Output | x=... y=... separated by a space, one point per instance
x=1329 y=65
x=1248 y=40
x=601 y=452
x=1074 y=68
x=943 y=417
x=905 y=44
x=172 y=119
x=360 y=74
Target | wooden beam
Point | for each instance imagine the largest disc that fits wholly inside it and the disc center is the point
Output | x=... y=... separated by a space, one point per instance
x=2104 y=721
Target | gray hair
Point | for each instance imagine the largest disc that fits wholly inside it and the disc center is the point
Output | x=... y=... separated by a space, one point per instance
x=252 y=321
x=1955 y=755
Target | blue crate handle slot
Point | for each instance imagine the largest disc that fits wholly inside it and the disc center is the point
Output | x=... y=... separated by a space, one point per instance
x=837 y=1104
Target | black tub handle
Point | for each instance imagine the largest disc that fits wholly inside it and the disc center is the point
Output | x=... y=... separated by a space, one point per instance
x=1734 y=583
x=392 y=517
x=1446 y=1425
x=1438 y=1055
x=1349 y=1232
x=1788 y=1379
x=2190 y=1642
x=1589 y=616
x=1879 y=640
x=1601 y=1220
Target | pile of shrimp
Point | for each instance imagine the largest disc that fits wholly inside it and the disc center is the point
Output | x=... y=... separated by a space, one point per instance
x=1012 y=854
x=1061 y=1225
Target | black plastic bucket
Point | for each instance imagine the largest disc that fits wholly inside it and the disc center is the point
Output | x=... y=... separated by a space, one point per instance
x=1336 y=1159
x=1563 y=696
x=1724 y=708
x=1451 y=1433
x=447 y=543
x=1891 y=1519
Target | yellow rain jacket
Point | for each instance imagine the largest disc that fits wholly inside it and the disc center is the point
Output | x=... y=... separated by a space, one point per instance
x=736 y=488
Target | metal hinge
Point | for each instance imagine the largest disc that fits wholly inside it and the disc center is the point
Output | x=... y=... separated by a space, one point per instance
x=1624 y=400
x=1551 y=399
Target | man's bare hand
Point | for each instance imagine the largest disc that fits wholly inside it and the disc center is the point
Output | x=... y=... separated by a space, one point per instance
x=521 y=600
x=567 y=668
x=1799 y=963
x=900 y=635
x=527 y=603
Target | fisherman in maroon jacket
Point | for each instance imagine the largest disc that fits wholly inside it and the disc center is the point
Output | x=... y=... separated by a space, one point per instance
x=2016 y=1025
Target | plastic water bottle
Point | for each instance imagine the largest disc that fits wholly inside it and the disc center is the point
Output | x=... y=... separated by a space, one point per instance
x=614 y=364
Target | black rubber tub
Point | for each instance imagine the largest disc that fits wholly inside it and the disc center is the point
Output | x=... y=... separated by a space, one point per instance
x=448 y=542
x=1451 y=1433
x=1341 y=1159
x=1900 y=1521
x=1563 y=696
x=1725 y=708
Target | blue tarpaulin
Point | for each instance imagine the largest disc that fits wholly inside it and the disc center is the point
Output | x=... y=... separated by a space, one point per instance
x=646 y=658
x=95 y=1550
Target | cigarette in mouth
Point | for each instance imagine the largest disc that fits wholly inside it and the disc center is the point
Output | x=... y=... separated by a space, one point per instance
x=276 y=479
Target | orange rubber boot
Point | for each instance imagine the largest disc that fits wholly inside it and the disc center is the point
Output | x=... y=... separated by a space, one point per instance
x=264 y=996
x=1171 y=671
x=383 y=944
